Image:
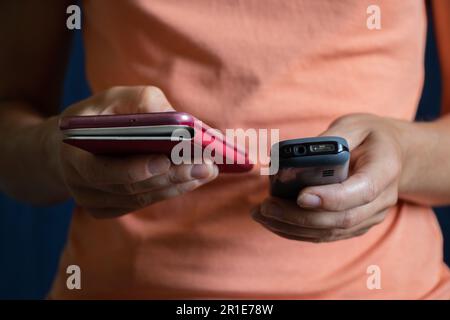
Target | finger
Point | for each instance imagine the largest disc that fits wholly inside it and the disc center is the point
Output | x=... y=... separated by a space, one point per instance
x=138 y=99
x=371 y=175
x=350 y=128
x=102 y=170
x=183 y=173
x=123 y=100
x=296 y=238
x=288 y=212
x=317 y=240
x=152 y=99
x=176 y=174
x=260 y=219
x=292 y=230
x=99 y=200
x=320 y=235
x=180 y=189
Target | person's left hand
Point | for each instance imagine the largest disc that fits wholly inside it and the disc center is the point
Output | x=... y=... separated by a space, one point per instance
x=348 y=209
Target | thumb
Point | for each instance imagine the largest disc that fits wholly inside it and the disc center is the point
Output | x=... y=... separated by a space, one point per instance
x=122 y=100
x=152 y=99
x=353 y=128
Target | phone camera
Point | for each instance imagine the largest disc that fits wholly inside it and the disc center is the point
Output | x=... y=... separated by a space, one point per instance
x=299 y=150
x=292 y=151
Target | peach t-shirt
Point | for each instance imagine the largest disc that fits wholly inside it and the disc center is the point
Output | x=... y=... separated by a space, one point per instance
x=293 y=65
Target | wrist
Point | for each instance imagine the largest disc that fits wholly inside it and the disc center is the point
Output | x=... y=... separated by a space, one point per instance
x=417 y=141
x=50 y=141
x=30 y=165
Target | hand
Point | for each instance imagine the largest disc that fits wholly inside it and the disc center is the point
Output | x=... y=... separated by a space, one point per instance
x=111 y=186
x=348 y=209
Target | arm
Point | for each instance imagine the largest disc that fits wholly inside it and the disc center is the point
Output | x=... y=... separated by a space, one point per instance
x=426 y=177
x=441 y=13
x=35 y=166
x=33 y=58
x=391 y=160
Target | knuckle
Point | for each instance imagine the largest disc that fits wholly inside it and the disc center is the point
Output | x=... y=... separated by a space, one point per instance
x=164 y=181
x=153 y=89
x=393 y=199
x=129 y=188
x=325 y=236
x=371 y=190
x=304 y=220
x=335 y=199
x=94 y=171
x=114 y=89
x=110 y=93
x=167 y=193
x=185 y=187
x=331 y=234
x=314 y=221
x=141 y=200
x=349 y=219
x=349 y=119
x=160 y=181
x=341 y=121
x=173 y=175
x=152 y=93
x=182 y=173
x=380 y=218
x=394 y=170
x=181 y=188
x=338 y=203
x=131 y=175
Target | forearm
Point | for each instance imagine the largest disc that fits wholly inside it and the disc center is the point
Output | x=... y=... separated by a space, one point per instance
x=29 y=161
x=425 y=176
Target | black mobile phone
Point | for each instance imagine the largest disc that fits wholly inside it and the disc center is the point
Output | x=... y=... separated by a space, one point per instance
x=308 y=162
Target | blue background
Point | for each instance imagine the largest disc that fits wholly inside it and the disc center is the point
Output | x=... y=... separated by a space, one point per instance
x=31 y=238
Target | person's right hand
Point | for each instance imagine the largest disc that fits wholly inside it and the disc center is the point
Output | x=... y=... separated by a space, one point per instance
x=112 y=186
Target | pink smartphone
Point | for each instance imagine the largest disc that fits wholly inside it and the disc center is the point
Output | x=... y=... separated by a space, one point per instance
x=148 y=133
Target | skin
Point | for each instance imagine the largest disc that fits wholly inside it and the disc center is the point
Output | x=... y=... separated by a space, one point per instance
x=391 y=160
x=109 y=186
x=36 y=167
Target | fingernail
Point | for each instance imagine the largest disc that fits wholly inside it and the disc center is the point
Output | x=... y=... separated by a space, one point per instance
x=158 y=166
x=200 y=171
x=307 y=200
x=270 y=209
